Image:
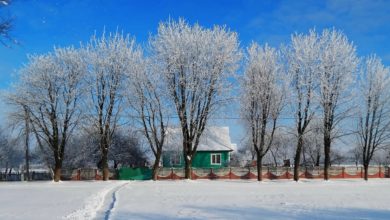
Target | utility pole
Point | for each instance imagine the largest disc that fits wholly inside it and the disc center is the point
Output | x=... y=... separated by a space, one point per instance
x=27 y=139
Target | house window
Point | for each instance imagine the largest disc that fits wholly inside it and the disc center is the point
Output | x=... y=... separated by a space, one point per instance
x=175 y=159
x=215 y=159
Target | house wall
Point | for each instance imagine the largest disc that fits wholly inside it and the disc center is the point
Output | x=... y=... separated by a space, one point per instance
x=166 y=159
x=202 y=159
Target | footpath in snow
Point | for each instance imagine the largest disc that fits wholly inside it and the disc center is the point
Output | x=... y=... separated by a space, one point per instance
x=49 y=200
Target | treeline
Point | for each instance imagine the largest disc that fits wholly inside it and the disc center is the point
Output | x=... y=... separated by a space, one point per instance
x=187 y=72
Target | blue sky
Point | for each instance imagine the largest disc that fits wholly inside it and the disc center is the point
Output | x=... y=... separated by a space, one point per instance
x=40 y=25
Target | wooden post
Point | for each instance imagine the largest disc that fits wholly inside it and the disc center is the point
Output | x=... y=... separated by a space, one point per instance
x=380 y=172
x=388 y=172
x=305 y=172
x=287 y=173
x=343 y=172
x=361 y=172
x=268 y=173
x=171 y=173
x=79 y=174
x=230 y=173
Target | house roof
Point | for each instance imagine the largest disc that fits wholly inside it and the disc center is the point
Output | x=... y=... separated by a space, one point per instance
x=212 y=139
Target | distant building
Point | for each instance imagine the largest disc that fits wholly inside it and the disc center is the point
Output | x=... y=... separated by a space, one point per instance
x=213 y=150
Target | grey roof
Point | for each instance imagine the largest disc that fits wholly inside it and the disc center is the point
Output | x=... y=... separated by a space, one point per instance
x=212 y=139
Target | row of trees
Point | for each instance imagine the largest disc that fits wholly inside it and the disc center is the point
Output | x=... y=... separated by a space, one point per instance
x=95 y=85
x=323 y=78
x=185 y=77
x=126 y=150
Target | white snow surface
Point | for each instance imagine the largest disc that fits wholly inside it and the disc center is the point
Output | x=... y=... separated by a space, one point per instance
x=200 y=199
x=307 y=199
x=49 y=200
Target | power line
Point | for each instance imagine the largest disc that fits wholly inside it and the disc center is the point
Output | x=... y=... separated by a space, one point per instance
x=238 y=118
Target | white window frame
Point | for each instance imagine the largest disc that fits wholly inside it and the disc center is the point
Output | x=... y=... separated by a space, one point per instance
x=216 y=154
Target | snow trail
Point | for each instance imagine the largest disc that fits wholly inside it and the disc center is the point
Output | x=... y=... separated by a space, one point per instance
x=94 y=203
x=113 y=202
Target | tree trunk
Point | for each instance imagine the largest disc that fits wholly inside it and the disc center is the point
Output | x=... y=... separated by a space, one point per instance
x=365 y=172
x=318 y=158
x=105 y=165
x=297 y=158
x=27 y=157
x=187 y=169
x=327 y=143
x=259 y=168
x=27 y=136
x=57 y=172
x=155 y=166
x=274 y=157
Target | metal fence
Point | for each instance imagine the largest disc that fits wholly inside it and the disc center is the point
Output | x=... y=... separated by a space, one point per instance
x=18 y=176
x=66 y=174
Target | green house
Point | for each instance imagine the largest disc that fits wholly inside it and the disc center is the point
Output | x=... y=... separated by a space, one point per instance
x=213 y=151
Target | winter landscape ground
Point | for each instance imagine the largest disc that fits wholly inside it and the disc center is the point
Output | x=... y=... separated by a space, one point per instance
x=201 y=199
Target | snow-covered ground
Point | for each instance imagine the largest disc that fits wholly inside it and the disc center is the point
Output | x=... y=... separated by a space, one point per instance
x=49 y=200
x=201 y=199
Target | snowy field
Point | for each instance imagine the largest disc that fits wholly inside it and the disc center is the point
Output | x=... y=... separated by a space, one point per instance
x=201 y=199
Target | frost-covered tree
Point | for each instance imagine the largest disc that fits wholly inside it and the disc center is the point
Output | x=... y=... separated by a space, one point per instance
x=110 y=59
x=19 y=121
x=373 y=130
x=195 y=63
x=313 y=148
x=262 y=99
x=6 y=25
x=150 y=105
x=49 y=89
x=302 y=65
x=281 y=147
x=337 y=66
x=84 y=151
x=355 y=154
x=11 y=156
x=125 y=150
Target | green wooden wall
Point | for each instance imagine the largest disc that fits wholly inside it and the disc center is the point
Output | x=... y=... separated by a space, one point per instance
x=202 y=159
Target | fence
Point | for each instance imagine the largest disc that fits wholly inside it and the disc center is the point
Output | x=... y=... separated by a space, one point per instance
x=85 y=174
x=212 y=174
x=66 y=174
x=274 y=173
x=18 y=176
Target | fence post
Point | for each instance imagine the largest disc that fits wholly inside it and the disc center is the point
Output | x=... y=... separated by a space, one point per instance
x=230 y=173
x=361 y=172
x=388 y=172
x=343 y=172
x=268 y=173
x=171 y=173
x=380 y=171
x=288 y=173
x=78 y=174
x=305 y=172
x=249 y=172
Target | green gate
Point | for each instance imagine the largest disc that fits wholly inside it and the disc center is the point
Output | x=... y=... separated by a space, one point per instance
x=141 y=173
